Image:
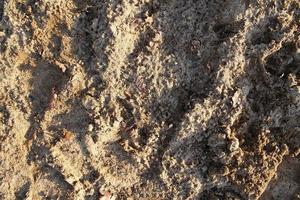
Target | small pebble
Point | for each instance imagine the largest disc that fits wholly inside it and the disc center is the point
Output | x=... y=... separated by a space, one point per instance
x=90 y=128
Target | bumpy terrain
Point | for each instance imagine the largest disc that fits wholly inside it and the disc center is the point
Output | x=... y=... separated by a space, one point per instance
x=150 y=99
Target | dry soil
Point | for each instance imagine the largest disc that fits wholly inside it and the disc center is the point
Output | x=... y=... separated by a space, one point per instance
x=150 y=99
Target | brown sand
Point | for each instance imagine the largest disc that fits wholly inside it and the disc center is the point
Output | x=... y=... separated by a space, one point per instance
x=149 y=99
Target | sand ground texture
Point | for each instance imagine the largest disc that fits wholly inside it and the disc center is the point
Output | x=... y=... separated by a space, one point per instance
x=149 y=99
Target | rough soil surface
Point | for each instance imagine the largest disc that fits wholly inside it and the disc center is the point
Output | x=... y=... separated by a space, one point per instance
x=150 y=99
